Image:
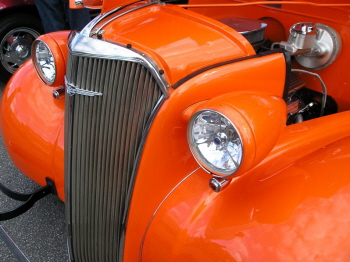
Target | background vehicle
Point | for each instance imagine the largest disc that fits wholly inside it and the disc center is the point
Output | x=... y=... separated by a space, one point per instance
x=20 y=24
x=203 y=132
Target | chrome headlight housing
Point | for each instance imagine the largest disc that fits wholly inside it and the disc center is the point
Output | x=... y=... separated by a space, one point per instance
x=215 y=142
x=44 y=62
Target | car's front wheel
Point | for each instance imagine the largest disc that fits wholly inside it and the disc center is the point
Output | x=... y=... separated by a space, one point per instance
x=17 y=33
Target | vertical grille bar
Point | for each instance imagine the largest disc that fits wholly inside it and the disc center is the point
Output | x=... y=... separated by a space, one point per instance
x=103 y=136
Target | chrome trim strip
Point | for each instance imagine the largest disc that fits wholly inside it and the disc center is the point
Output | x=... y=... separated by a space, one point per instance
x=136 y=166
x=143 y=141
x=87 y=30
x=129 y=11
x=80 y=3
x=80 y=45
x=159 y=206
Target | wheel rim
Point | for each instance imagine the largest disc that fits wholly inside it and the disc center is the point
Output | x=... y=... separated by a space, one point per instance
x=16 y=47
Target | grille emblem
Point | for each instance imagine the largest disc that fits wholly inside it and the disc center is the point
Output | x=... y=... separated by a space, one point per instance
x=72 y=90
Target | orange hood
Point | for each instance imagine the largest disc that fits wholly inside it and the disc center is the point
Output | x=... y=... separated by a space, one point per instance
x=179 y=41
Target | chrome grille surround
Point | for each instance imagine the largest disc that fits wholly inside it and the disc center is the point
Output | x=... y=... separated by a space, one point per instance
x=111 y=101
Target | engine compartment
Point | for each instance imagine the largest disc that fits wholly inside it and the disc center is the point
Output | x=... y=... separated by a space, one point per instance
x=312 y=47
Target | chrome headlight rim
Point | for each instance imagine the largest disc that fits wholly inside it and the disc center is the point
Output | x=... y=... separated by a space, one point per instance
x=198 y=156
x=38 y=67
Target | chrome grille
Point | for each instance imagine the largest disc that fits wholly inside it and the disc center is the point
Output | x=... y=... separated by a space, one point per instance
x=103 y=136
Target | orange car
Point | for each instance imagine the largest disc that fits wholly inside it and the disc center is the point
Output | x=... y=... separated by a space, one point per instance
x=197 y=132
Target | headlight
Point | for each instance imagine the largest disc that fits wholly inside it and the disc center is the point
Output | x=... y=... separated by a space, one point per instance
x=44 y=62
x=215 y=142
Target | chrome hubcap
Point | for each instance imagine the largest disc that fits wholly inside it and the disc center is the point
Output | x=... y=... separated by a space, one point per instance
x=16 y=48
x=22 y=51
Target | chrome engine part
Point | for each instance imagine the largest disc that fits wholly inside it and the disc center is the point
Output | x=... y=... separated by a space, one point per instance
x=315 y=46
x=301 y=39
x=325 y=50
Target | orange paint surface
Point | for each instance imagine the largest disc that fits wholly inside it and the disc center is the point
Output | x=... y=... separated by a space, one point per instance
x=294 y=215
x=290 y=199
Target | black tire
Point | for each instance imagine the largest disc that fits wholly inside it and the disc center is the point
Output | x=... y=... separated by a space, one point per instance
x=17 y=33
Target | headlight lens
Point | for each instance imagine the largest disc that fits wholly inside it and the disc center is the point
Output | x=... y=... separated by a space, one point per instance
x=215 y=142
x=44 y=62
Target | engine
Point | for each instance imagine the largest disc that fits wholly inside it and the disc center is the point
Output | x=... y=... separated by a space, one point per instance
x=305 y=104
x=313 y=47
